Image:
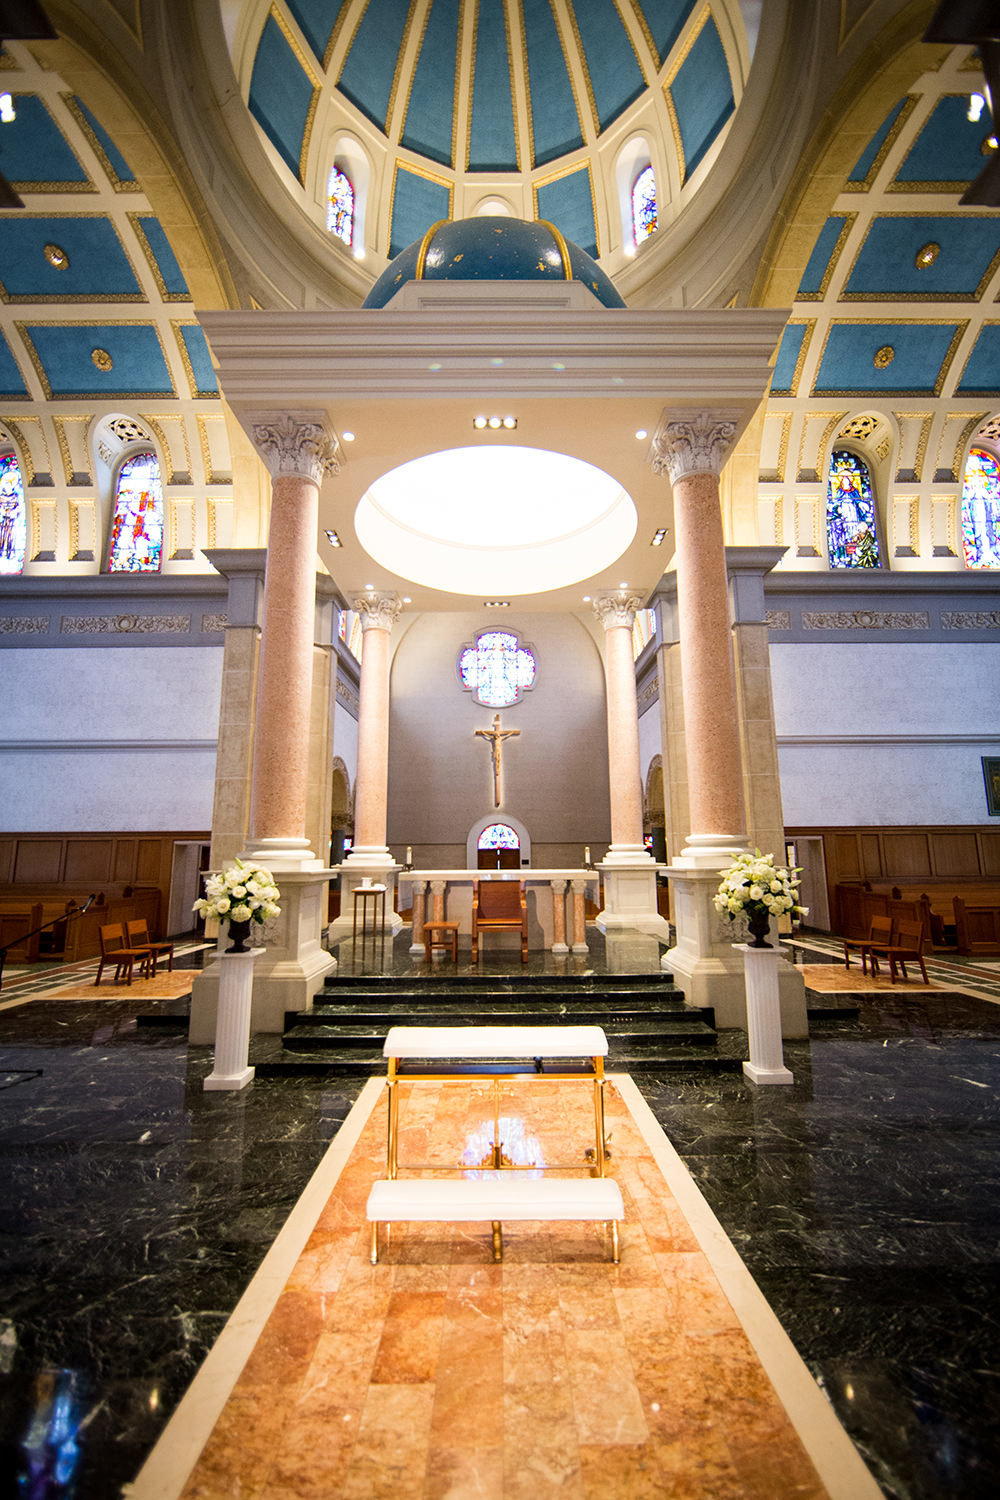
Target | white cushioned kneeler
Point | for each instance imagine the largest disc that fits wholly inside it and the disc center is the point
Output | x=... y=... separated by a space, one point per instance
x=509 y=1196
x=495 y=1041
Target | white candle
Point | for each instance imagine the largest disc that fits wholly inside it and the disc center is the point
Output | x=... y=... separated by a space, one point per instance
x=409 y=855
x=586 y=854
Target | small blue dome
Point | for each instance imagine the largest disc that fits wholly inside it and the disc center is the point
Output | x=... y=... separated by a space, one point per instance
x=493 y=249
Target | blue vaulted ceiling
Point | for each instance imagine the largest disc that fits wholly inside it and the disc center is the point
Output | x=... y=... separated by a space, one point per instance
x=490 y=87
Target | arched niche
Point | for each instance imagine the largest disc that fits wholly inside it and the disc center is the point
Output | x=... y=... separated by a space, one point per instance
x=633 y=158
x=350 y=157
x=472 y=841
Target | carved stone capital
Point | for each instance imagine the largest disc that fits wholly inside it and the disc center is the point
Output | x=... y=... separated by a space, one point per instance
x=378 y=611
x=617 y=609
x=693 y=442
x=298 y=443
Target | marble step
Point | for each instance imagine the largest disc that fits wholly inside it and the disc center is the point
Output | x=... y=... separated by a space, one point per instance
x=449 y=980
x=635 y=1034
x=506 y=1012
x=272 y=1060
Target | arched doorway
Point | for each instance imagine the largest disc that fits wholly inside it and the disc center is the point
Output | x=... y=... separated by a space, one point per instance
x=498 y=844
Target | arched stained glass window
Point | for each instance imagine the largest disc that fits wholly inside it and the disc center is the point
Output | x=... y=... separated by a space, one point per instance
x=13 y=515
x=644 y=205
x=497 y=668
x=851 y=535
x=499 y=836
x=137 y=524
x=643 y=630
x=340 y=206
x=981 y=510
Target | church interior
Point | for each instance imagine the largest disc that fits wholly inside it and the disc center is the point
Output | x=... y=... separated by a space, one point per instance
x=532 y=447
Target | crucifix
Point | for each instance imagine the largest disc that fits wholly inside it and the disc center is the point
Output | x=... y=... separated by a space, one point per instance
x=496 y=736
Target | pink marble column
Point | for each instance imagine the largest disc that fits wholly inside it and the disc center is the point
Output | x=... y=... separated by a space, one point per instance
x=579 y=916
x=378 y=613
x=419 y=897
x=438 y=888
x=298 y=451
x=691 y=447
x=559 y=916
x=617 y=614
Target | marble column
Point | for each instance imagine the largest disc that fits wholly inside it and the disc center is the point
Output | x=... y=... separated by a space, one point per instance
x=690 y=448
x=438 y=888
x=298 y=450
x=419 y=897
x=628 y=869
x=559 y=944
x=579 y=916
x=370 y=855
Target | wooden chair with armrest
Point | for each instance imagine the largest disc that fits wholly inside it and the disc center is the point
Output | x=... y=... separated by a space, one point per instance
x=498 y=905
x=879 y=931
x=138 y=937
x=115 y=950
x=907 y=946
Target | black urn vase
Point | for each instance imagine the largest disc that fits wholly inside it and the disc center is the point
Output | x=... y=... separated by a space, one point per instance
x=759 y=923
x=239 y=932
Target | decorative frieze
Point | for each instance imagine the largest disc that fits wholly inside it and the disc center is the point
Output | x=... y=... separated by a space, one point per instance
x=125 y=624
x=865 y=619
x=778 y=619
x=348 y=696
x=211 y=624
x=970 y=619
x=296 y=443
x=695 y=442
x=24 y=624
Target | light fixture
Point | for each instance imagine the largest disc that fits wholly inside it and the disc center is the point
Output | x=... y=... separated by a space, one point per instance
x=333 y=539
x=348 y=437
x=623 y=585
x=586 y=598
x=407 y=599
x=976 y=106
x=494 y=422
x=369 y=587
x=496 y=604
x=658 y=537
x=642 y=433
x=7 y=112
x=56 y=256
x=927 y=254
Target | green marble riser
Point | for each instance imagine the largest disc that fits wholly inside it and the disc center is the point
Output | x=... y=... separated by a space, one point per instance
x=650 y=1034
x=451 y=981
x=274 y=1064
x=541 y=1014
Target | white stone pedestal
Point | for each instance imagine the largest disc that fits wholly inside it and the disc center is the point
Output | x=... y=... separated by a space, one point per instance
x=232 y=1025
x=766 y=1063
x=376 y=867
x=630 y=893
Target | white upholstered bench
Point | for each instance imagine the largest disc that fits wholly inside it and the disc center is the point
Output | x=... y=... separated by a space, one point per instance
x=491 y=1200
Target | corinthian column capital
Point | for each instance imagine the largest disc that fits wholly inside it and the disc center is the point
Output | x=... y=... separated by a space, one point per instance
x=296 y=442
x=617 y=609
x=693 y=442
x=378 y=611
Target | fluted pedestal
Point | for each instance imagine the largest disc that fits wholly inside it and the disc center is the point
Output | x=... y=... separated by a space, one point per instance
x=766 y=1063
x=232 y=1024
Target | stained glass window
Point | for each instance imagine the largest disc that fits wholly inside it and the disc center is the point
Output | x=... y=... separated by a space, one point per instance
x=644 y=205
x=981 y=510
x=13 y=517
x=137 y=526
x=340 y=206
x=496 y=668
x=499 y=836
x=851 y=535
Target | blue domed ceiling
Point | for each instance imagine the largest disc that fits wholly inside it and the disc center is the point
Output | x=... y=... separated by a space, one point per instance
x=462 y=94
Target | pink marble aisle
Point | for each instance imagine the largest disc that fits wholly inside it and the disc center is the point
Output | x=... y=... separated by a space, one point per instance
x=439 y=1374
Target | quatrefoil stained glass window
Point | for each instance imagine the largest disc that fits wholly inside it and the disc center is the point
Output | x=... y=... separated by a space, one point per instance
x=497 y=669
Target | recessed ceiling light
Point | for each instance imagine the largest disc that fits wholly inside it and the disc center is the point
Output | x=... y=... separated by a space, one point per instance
x=496 y=604
x=333 y=539
x=510 y=423
x=586 y=598
x=623 y=585
x=348 y=437
x=642 y=433
x=407 y=599
x=495 y=422
x=658 y=537
x=369 y=586
x=479 y=423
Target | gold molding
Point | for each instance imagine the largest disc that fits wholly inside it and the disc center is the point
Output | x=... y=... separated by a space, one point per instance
x=866 y=393
x=28 y=342
x=24 y=456
x=120 y=184
x=849 y=219
x=134 y=219
x=868 y=181
x=177 y=324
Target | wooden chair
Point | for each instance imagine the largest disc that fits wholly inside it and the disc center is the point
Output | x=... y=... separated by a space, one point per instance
x=115 y=951
x=907 y=944
x=499 y=904
x=879 y=931
x=138 y=937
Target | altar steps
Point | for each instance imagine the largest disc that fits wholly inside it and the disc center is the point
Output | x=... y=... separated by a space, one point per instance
x=648 y=1025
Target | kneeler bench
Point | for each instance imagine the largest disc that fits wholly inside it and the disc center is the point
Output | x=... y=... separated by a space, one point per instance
x=507 y=1196
x=455 y=1054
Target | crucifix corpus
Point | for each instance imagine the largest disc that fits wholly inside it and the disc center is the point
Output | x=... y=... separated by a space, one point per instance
x=496 y=736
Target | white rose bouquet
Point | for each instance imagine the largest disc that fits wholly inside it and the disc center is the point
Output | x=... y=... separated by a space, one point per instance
x=754 y=888
x=242 y=893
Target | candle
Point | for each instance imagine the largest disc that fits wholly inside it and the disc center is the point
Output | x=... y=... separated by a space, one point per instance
x=409 y=855
x=586 y=854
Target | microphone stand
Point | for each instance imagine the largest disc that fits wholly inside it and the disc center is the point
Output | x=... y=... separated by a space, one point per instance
x=67 y=916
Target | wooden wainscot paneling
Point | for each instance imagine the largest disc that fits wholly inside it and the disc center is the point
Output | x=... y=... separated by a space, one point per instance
x=989 y=842
x=871 y=856
x=38 y=861
x=955 y=854
x=125 y=861
x=843 y=856
x=906 y=855
x=89 y=859
x=147 y=861
x=7 y=847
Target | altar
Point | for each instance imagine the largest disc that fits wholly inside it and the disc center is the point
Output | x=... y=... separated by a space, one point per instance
x=556 y=902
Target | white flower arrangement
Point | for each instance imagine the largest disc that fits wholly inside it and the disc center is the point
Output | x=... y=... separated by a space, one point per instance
x=242 y=893
x=753 y=887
